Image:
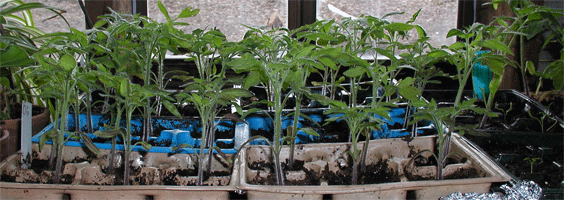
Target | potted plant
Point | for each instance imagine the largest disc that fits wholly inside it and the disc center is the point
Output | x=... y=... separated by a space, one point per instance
x=19 y=41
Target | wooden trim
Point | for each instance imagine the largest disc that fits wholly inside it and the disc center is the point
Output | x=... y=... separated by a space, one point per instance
x=95 y=8
x=301 y=12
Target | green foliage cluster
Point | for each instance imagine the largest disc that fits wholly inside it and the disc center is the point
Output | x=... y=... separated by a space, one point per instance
x=124 y=47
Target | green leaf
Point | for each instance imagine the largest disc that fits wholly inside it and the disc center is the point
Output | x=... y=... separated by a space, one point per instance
x=399 y=27
x=328 y=62
x=530 y=67
x=494 y=44
x=108 y=134
x=67 y=62
x=163 y=10
x=236 y=93
x=309 y=131
x=188 y=12
x=170 y=107
x=43 y=139
x=456 y=46
x=123 y=87
x=88 y=142
x=386 y=53
x=14 y=56
x=420 y=31
x=355 y=72
x=409 y=92
x=252 y=79
x=437 y=53
x=494 y=84
x=145 y=145
x=454 y=32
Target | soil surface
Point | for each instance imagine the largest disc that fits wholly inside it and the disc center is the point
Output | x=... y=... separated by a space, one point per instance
x=170 y=176
x=513 y=157
x=373 y=174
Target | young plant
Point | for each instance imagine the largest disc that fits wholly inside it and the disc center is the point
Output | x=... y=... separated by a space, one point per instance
x=209 y=96
x=529 y=21
x=505 y=111
x=326 y=36
x=207 y=49
x=130 y=97
x=542 y=119
x=532 y=162
x=465 y=55
x=555 y=69
x=268 y=61
x=443 y=118
x=145 y=42
x=422 y=56
x=360 y=120
x=111 y=131
x=360 y=124
x=58 y=76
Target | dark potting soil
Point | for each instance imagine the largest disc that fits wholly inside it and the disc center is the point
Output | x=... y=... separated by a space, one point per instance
x=168 y=178
x=512 y=156
x=373 y=174
x=225 y=145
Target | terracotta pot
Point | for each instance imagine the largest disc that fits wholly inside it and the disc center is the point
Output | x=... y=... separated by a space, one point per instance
x=12 y=144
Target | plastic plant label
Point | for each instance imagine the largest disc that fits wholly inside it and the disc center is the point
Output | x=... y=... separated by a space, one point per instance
x=26 y=135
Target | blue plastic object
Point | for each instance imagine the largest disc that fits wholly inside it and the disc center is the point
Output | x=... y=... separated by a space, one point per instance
x=262 y=124
x=481 y=77
x=173 y=132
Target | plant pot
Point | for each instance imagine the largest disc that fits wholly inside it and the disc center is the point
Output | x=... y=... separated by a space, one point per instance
x=12 y=144
x=394 y=154
x=88 y=180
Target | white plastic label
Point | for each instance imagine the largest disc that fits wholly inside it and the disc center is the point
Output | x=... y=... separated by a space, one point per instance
x=26 y=135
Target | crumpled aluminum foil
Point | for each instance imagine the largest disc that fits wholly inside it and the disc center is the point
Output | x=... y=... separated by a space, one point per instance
x=518 y=190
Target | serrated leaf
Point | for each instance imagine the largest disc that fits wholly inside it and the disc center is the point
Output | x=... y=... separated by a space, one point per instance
x=163 y=10
x=188 y=12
